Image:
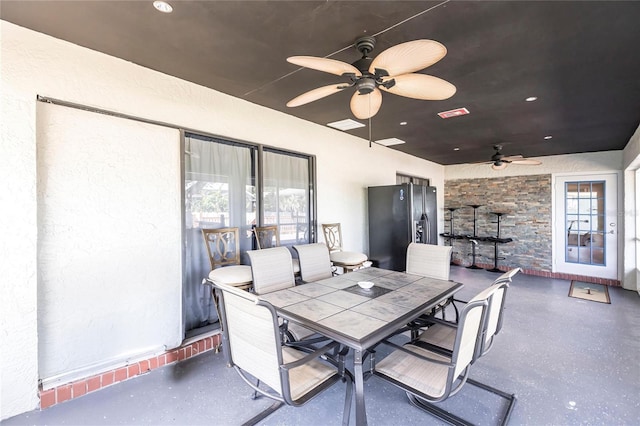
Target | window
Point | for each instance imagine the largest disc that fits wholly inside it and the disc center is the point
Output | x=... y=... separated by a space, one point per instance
x=286 y=195
x=584 y=221
x=401 y=178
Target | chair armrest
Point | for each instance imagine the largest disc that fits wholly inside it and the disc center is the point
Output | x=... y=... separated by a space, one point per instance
x=428 y=320
x=315 y=354
x=443 y=322
x=424 y=357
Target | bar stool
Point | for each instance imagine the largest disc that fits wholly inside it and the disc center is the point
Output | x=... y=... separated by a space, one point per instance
x=474 y=239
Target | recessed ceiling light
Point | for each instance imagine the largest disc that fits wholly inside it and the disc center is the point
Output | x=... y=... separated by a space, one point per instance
x=456 y=149
x=346 y=124
x=548 y=137
x=390 y=141
x=531 y=98
x=403 y=123
x=163 y=6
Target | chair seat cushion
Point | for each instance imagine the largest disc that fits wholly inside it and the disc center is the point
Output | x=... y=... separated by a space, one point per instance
x=349 y=258
x=308 y=376
x=234 y=275
x=426 y=377
x=439 y=335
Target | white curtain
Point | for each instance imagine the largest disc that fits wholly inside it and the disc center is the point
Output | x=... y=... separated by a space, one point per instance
x=286 y=195
x=219 y=192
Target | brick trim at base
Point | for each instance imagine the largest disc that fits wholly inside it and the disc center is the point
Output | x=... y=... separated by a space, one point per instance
x=556 y=275
x=87 y=385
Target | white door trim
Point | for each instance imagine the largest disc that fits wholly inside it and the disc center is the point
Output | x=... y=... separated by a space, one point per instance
x=555 y=235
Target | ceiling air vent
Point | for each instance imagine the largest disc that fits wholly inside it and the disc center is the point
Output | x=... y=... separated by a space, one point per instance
x=453 y=113
x=390 y=141
x=346 y=124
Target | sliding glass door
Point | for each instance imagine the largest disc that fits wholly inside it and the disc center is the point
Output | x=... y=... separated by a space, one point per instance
x=219 y=192
x=222 y=189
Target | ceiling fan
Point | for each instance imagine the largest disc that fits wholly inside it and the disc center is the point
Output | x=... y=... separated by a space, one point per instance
x=500 y=161
x=391 y=71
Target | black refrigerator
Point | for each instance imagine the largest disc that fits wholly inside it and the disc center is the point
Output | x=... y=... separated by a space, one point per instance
x=399 y=215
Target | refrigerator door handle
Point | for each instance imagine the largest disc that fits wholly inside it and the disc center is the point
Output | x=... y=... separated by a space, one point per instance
x=427 y=230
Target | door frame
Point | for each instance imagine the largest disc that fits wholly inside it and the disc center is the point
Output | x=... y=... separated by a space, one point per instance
x=557 y=231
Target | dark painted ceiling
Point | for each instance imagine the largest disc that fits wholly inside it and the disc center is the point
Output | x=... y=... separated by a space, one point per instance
x=581 y=59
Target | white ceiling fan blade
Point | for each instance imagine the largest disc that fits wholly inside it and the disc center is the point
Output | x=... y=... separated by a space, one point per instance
x=512 y=157
x=409 y=57
x=315 y=94
x=323 y=64
x=500 y=166
x=527 y=162
x=366 y=106
x=421 y=86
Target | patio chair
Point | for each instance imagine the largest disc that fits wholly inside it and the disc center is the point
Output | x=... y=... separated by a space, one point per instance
x=429 y=260
x=429 y=376
x=315 y=263
x=251 y=337
x=347 y=260
x=269 y=236
x=507 y=277
x=440 y=336
x=223 y=248
x=272 y=271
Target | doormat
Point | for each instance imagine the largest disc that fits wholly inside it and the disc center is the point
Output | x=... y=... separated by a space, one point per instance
x=589 y=291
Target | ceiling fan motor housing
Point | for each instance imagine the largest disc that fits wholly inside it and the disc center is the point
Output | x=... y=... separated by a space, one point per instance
x=368 y=81
x=366 y=85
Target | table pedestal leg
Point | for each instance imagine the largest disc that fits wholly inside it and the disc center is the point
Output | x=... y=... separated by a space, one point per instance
x=361 y=412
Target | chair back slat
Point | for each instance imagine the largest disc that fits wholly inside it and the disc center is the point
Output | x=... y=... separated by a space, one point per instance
x=267 y=236
x=429 y=260
x=468 y=336
x=495 y=296
x=223 y=246
x=272 y=269
x=253 y=336
x=315 y=263
x=494 y=311
x=332 y=236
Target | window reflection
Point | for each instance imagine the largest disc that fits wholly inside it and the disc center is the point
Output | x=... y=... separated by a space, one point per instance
x=584 y=222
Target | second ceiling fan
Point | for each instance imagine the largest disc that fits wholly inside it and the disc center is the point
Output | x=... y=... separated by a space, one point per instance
x=393 y=71
x=500 y=161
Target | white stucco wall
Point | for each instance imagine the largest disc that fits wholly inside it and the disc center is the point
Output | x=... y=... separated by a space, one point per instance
x=33 y=64
x=631 y=165
x=109 y=242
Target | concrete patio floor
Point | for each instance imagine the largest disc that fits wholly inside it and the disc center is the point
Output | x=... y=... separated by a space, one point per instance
x=569 y=361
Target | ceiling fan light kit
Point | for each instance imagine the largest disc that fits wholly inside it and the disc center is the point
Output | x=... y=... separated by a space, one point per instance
x=393 y=71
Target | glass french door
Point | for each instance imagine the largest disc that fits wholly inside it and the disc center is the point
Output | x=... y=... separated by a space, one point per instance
x=586 y=225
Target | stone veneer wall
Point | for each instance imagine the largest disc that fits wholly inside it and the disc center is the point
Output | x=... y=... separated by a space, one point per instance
x=526 y=202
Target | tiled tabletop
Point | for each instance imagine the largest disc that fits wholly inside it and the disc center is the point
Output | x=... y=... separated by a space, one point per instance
x=339 y=308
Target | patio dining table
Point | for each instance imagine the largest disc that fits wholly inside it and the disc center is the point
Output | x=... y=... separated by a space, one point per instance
x=359 y=318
